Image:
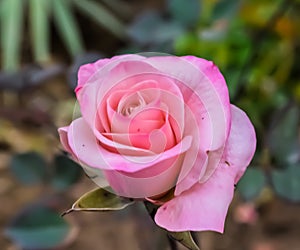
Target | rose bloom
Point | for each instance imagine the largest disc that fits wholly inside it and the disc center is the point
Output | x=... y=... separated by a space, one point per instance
x=162 y=128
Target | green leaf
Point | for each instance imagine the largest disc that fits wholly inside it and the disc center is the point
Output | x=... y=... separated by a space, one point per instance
x=67 y=26
x=2 y=4
x=102 y=16
x=11 y=33
x=38 y=228
x=29 y=168
x=39 y=10
x=283 y=137
x=184 y=238
x=287 y=182
x=100 y=200
x=186 y=12
x=66 y=172
x=251 y=183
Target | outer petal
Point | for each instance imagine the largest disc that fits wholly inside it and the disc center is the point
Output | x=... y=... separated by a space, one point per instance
x=136 y=177
x=85 y=147
x=204 y=89
x=63 y=136
x=205 y=205
x=86 y=71
x=206 y=96
x=241 y=144
x=216 y=78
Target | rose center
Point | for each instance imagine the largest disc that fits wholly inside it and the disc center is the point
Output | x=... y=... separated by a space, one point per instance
x=131 y=103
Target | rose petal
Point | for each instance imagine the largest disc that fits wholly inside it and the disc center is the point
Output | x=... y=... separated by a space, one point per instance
x=86 y=71
x=203 y=207
x=241 y=144
x=91 y=79
x=154 y=181
x=153 y=88
x=154 y=135
x=63 y=135
x=206 y=96
x=202 y=83
x=86 y=148
x=140 y=184
x=139 y=140
x=211 y=71
x=195 y=163
x=125 y=74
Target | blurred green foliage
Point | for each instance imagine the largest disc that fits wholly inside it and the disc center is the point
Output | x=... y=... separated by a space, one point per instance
x=40 y=15
x=252 y=183
x=38 y=227
x=31 y=168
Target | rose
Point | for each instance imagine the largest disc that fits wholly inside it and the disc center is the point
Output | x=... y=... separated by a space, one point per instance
x=162 y=125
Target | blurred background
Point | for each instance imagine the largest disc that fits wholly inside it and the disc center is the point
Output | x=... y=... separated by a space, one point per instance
x=256 y=45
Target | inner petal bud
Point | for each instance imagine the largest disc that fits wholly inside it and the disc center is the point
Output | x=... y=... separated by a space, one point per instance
x=131 y=103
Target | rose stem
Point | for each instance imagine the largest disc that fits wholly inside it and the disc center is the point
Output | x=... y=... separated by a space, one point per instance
x=172 y=243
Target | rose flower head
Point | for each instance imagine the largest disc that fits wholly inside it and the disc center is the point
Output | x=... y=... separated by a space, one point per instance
x=162 y=129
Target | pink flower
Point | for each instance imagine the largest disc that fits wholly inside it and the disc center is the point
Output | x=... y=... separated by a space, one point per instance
x=153 y=125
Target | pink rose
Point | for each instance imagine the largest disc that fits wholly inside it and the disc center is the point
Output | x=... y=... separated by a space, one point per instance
x=153 y=125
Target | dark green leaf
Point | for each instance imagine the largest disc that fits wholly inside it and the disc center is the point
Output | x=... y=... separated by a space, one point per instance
x=11 y=33
x=100 y=200
x=38 y=228
x=283 y=137
x=102 y=16
x=251 y=183
x=184 y=238
x=66 y=172
x=67 y=26
x=287 y=182
x=29 y=168
x=186 y=12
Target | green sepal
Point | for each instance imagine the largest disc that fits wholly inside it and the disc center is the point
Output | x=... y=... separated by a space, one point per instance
x=100 y=199
x=185 y=238
x=151 y=208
